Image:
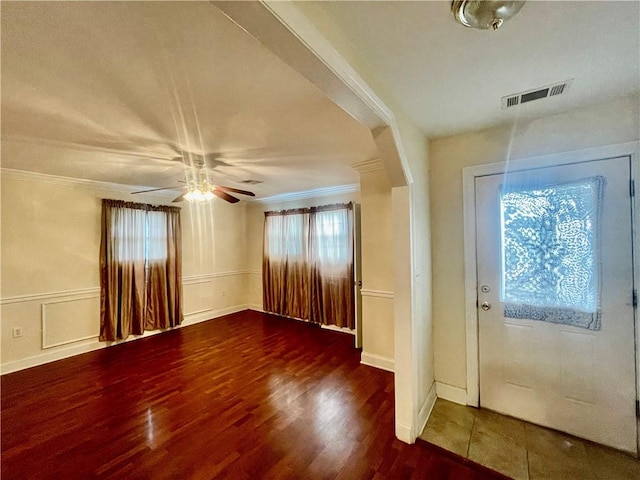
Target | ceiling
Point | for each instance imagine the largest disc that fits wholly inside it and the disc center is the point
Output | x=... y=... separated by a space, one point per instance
x=114 y=91
x=450 y=79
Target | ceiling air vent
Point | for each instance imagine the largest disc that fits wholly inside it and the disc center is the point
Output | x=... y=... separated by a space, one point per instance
x=252 y=182
x=537 y=94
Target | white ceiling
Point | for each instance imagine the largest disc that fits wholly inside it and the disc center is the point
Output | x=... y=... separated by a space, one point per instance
x=450 y=78
x=110 y=91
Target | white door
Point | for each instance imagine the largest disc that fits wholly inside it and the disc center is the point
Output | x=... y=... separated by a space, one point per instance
x=555 y=297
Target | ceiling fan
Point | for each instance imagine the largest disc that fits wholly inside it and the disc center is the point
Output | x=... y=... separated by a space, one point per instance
x=198 y=188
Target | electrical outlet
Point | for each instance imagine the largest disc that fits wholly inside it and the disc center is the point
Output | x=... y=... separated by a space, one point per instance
x=16 y=332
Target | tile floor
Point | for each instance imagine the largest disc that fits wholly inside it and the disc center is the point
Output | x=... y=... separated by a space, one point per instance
x=522 y=450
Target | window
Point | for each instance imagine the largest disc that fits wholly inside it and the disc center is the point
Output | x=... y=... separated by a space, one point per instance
x=332 y=238
x=550 y=251
x=287 y=236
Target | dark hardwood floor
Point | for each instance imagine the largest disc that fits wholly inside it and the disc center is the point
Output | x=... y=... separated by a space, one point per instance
x=246 y=396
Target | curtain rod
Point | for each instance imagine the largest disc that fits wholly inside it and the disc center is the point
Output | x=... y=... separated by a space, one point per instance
x=321 y=208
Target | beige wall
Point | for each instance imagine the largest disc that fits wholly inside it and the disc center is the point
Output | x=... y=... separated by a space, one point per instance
x=50 y=275
x=605 y=124
x=377 y=269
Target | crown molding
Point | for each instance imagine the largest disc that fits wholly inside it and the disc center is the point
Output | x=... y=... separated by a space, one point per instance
x=317 y=192
x=27 y=176
x=368 y=166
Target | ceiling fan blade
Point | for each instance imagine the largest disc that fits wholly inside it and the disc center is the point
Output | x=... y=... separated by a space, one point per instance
x=156 y=189
x=224 y=196
x=236 y=190
x=179 y=198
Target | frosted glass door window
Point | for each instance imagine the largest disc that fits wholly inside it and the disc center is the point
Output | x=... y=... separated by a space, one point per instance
x=550 y=252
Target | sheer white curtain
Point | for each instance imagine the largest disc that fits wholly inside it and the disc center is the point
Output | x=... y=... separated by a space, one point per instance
x=285 y=267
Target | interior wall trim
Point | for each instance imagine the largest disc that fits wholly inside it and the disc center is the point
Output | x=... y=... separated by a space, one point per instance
x=367 y=292
x=426 y=408
x=368 y=166
x=206 y=309
x=315 y=193
x=335 y=328
x=43 y=321
x=378 y=361
x=36 y=297
x=405 y=433
x=452 y=393
x=88 y=346
x=23 y=175
x=189 y=279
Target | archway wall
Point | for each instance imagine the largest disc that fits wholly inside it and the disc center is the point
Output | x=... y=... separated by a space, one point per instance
x=345 y=76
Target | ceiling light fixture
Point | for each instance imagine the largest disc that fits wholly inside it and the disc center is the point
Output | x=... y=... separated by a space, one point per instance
x=199 y=192
x=484 y=14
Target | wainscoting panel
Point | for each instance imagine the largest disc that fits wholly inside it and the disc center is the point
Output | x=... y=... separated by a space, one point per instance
x=70 y=320
x=197 y=297
x=254 y=287
x=378 y=329
x=56 y=325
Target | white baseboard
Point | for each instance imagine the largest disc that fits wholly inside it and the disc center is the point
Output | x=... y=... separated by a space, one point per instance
x=405 y=433
x=256 y=307
x=378 y=361
x=426 y=408
x=338 y=329
x=88 y=346
x=48 y=357
x=451 y=393
x=210 y=314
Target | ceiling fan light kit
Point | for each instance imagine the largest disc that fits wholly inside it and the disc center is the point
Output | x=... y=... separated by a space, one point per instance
x=484 y=14
x=199 y=189
x=198 y=192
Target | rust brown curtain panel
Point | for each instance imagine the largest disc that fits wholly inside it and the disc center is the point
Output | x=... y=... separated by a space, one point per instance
x=140 y=269
x=307 y=266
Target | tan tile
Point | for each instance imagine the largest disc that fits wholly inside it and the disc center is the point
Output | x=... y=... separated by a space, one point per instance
x=555 y=445
x=509 y=428
x=458 y=414
x=449 y=426
x=448 y=435
x=491 y=448
x=609 y=464
x=542 y=467
x=555 y=456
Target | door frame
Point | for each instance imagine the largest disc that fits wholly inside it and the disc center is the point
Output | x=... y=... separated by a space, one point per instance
x=469 y=174
x=357 y=273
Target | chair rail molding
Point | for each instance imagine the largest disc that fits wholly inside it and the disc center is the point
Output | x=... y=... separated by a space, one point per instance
x=368 y=292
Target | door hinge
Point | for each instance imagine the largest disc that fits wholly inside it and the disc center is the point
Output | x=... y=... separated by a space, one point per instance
x=632 y=188
x=637 y=408
x=635 y=299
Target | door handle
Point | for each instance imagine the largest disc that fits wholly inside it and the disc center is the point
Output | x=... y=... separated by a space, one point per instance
x=485 y=306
